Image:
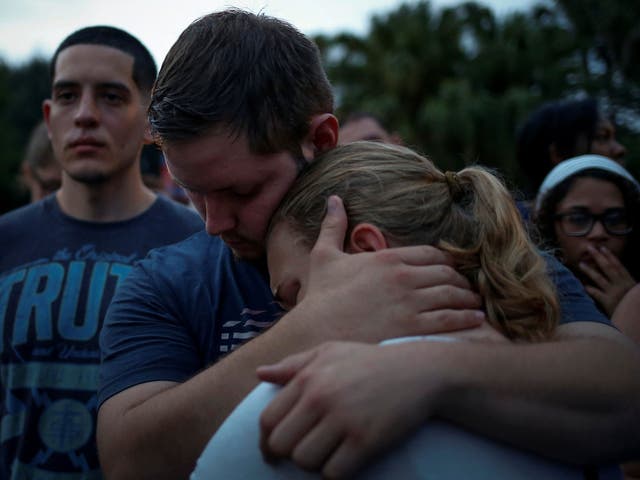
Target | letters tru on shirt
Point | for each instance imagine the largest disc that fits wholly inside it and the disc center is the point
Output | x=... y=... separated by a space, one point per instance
x=46 y=297
x=51 y=313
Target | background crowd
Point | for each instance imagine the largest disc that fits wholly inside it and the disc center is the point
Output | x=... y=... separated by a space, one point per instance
x=168 y=357
x=475 y=77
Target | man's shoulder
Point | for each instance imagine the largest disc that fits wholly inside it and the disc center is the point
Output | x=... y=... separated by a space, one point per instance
x=575 y=302
x=164 y=223
x=192 y=247
x=25 y=220
x=200 y=259
x=193 y=255
x=22 y=214
x=565 y=281
x=176 y=212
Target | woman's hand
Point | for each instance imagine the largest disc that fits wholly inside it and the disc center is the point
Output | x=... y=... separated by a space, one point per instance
x=627 y=320
x=611 y=280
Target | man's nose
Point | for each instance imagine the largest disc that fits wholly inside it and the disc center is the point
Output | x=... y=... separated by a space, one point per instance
x=87 y=113
x=220 y=216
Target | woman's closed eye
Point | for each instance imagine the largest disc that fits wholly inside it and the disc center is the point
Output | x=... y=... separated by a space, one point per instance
x=286 y=294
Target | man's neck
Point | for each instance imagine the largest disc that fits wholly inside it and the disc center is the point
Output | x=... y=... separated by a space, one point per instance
x=114 y=200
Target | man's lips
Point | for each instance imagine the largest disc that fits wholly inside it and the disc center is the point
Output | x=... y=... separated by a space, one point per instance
x=232 y=241
x=235 y=242
x=87 y=142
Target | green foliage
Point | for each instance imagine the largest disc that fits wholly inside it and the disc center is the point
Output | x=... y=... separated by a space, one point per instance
x=22 y=90
x=457 y=82
x=454 y=82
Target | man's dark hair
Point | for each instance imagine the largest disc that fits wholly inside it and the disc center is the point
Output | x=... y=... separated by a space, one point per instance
x=38 y=153
x=144 y=67
x=248 y=74
x=568 y=125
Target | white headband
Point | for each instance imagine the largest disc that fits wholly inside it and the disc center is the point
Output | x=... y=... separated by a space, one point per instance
x=570 y=167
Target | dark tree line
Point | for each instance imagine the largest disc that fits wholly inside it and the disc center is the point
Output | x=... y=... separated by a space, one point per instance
x=455 y=82
x=22 y=90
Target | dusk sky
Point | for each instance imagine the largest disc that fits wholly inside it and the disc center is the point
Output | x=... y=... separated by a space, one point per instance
x=35 y=27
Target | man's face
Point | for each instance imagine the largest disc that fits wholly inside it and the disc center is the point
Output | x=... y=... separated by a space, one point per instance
x=364 y=129
x=605 y=142
x=96 y=116
x=235 y=191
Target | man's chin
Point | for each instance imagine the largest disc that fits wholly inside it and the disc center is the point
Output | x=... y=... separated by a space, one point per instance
x=246 y=250
x=89 y=177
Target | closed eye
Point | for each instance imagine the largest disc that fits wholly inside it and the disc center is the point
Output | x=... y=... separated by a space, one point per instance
x=286 y=294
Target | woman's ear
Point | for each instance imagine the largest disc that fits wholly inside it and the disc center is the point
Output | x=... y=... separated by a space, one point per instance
x=366 y=238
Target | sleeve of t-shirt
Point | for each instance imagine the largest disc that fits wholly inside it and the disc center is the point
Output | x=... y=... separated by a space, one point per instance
x=144 y=338
x=575 y=303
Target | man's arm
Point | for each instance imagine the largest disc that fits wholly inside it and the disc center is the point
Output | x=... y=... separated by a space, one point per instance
x=626 y=317
x=576 y=398
x=158 y=429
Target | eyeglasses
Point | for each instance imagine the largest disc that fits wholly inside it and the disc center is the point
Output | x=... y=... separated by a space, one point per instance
x=578 y=223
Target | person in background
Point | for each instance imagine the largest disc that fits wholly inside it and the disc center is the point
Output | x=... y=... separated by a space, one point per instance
x=559 y=130
x=64 y=256
x=588 y=211
x=151 y=163
x=366 y=126
x=40 y=171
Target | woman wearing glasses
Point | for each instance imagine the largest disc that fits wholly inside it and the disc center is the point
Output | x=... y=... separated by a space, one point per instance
x=587 y=209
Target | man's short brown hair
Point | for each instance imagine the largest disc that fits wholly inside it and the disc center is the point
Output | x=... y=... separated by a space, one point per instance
x=244 y=73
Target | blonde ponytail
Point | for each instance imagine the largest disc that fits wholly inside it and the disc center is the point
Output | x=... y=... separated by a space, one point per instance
x=503 y=264
x=470 y=214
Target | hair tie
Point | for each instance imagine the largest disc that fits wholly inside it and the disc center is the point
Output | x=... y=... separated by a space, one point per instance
x=455 y=187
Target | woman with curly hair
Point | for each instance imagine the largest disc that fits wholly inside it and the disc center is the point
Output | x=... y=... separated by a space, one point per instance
x=562 y=129
x=588 y=212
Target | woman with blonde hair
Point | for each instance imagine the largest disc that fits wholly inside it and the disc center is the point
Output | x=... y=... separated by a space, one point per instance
x=409 y=201
x=395 y=197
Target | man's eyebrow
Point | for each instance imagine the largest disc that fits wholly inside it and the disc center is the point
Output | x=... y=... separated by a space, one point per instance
x=115 y=85
x=59 y=84
x=200 y=190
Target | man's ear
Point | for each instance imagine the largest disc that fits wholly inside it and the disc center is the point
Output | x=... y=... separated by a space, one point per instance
x=322 y=135
x=46 y=114
x=147 y=138
x=396 y=139
x=366 y=238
